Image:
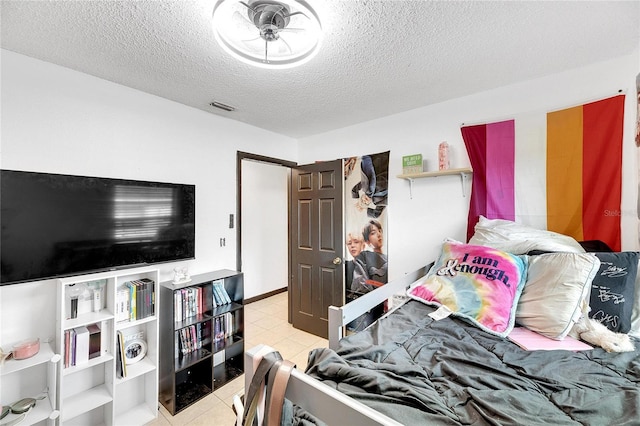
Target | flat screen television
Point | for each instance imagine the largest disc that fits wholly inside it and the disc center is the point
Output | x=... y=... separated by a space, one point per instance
x=55 y=225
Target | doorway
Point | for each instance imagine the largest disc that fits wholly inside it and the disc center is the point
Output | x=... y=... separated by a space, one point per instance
x=262 y=231
x=265 y=236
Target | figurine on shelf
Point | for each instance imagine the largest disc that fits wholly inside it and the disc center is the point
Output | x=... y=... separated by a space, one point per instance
x=181 y=275
x=443 y=156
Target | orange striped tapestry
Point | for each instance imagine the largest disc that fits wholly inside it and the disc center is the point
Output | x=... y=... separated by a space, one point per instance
x=584 y=171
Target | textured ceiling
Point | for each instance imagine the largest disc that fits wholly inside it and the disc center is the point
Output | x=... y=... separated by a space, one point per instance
x=378 y=57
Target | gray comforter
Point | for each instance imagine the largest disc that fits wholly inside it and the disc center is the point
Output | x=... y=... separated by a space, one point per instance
x=419 y=371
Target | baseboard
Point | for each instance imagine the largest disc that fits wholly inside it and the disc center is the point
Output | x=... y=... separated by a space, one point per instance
x=265 y=295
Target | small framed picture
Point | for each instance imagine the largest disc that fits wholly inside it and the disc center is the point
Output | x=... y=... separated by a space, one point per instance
x=135 y=350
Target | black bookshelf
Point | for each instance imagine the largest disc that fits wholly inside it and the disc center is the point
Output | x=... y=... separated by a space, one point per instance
x=201 y=337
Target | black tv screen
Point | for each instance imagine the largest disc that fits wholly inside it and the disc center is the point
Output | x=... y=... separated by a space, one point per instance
x=55 y=225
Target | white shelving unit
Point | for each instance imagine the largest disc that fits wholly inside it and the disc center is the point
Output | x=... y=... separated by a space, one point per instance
x=33 y=377
x=464 y=174
x=92 y=393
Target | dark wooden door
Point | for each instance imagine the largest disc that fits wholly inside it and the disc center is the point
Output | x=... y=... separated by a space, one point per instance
x=317 y=271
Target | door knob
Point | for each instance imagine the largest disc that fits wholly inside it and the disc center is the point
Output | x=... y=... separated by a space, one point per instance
x=337 y=261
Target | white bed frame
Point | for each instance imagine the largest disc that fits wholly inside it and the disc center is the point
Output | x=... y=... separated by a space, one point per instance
x=324 y=402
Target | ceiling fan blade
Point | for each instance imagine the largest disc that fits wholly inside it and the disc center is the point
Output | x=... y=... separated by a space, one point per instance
x=247 y=6
x=293 y=30
x=296 y=13
x=286 y=44
x=243 y=27
x=241 y=19
x=249 y=41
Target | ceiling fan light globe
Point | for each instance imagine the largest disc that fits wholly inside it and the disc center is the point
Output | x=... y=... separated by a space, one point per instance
x=270 y=15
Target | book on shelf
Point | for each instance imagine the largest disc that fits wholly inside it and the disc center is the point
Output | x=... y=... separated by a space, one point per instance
x=78 y=347
x=189 y=302
x=185 y=303
x=227 y=299
x=94 y=340
x=193 y=298
x=218 y=328
x=228 y=324
x=81 y=350
x=201 y=301
x=177 y=306
x=73 y=347
x=135 y=300
x=176 y=344
x=121 y=363
x=133 y=303
x=223 y=328
x=192 y=338
x=68 y=348
x=122 y=306
x=220 y=295
x=188 y=339
x=183 y=341
x=531 y=341
x=65 y=354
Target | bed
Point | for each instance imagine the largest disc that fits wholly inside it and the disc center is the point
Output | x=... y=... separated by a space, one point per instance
x=409 y=368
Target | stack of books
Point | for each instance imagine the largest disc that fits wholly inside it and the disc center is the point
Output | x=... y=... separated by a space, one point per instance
x=192 y=338
x=81 y=344
x=135 y=300
x=190 y=302
x=220 y=295
x=222 y=328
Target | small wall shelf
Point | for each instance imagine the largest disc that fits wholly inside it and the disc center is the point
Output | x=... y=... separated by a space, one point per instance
x=464 y=174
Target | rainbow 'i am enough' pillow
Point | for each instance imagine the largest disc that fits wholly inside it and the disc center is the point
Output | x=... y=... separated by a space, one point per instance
x=477 y=283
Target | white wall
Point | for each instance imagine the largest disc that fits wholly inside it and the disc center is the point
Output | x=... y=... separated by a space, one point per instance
x=265 y=227
x=58 y=120
x=61 y=121
x=438 y=210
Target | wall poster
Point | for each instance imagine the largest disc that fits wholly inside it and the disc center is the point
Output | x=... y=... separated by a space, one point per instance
x=366 y=194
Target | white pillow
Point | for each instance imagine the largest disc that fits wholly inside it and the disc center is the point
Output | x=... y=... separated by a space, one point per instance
x=515 y=238
x=556 y=292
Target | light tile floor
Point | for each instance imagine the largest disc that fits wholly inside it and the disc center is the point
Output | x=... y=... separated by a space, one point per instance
x=265 y=321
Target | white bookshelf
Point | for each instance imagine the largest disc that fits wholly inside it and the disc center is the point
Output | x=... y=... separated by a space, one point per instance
x=92 y=393
x=33 y=377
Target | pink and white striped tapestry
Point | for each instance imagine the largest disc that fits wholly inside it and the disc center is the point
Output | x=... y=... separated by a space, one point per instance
x=561 y=171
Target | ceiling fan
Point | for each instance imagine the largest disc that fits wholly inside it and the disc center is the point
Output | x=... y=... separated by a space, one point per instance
x=268 y=33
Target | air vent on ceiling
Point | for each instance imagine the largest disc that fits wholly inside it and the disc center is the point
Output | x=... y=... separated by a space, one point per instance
x=222 y=106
